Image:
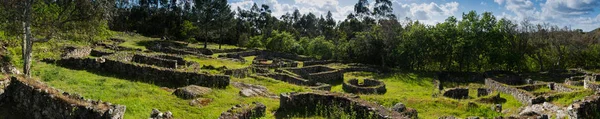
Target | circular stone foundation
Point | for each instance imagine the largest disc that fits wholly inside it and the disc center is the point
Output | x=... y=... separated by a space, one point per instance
x=368 y=86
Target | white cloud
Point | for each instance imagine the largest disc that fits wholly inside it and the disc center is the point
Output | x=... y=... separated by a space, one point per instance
x=429 y=13
x=573 y=13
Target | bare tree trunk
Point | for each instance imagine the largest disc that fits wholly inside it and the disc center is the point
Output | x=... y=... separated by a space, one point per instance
x=205 y=37
x=27 y=40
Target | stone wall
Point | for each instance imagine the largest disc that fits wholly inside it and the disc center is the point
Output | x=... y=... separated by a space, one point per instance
x=317 y=62
x=457 y=93
x=101 y=52
x=156 y=61
x=244 y=53
x=39 y=101
x=521 y=95
x=239 y=73
x=297 y=81
x=272 y=55
x=360 y=68
x=311 y=101
x=245 y=111
x=318 y=73
x=483 y=92
x=228 y=50
x=588 y=108
x=506 y=77
x=180 y=60
x=560 y=87
x=76 y=52
x=369 y=86
x=592 y=85
x=145 y=73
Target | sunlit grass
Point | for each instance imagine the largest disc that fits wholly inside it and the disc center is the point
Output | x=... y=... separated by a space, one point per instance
x=416 y=90
x=219 y=63
x=140 y=98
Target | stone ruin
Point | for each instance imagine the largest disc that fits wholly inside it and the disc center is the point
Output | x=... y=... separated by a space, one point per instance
x=245 y=111
x=319 y=73
x=250 y=90
x=297 y=81
x=483 y=92
x=75 y=52
x=368 y=86
x=276 y=63
x=191 y=91
x=173 y=47
x=155 y=61
x=311 y=101
x=145 y=73
x=36 y=100
x=505 y=77
x=457 y=93
x=587 y=108
x=317 y=62
x=521 y=95
x=156 y=114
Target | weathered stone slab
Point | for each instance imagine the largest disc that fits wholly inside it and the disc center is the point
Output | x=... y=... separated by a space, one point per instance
x=245 y=111
x=191 y=91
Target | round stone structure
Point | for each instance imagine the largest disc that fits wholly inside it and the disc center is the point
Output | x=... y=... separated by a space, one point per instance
x=369 y=86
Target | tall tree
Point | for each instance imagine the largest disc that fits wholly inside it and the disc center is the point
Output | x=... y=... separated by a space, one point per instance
x=383 y=9
x=224 y=18
x=206 y=13
x=49 y=18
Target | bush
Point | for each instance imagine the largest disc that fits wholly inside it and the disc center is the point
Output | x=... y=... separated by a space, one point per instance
x=321 y=48
x=280 y=41
x=255 y=42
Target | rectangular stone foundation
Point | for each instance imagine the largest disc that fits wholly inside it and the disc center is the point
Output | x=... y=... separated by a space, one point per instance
x=38 y=101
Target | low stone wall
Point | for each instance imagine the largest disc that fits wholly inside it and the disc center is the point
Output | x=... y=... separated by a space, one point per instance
x=457 y=93
x=559 y=87
x=156 y=61
x=531 y=87
x=573 y=83
x=369 y=86
x=76 y=52
x=360 y=68
x=327 y=77
x=39 y=101
x=180 y=60
x=311 y=101
x=317 y=62
x=146 y=73
x=483 y=92
x=592 y=85
x=272 y=55
x=100 y=53
x=245 y=111
x=588 y=108
x=297 y=81
x=521 y=95
x=318 y=73
x=239 y=73
x=277 y=63
x=244 y=53
x=506 y=77
x=228 y=50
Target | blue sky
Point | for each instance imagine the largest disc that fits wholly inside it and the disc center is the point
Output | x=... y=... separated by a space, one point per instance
x=577 y=14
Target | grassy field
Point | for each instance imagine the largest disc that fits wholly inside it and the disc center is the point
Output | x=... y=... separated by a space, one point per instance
x=416 y=91
x=140 y=98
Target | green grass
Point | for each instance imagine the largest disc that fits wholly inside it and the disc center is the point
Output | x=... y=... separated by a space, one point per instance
x=133 y=41
x=219 y=63
x=140 y=98
x=567 y=98
x=416 y=90
x=212 y=45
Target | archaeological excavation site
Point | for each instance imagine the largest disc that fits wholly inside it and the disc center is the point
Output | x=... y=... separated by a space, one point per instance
x=299 y=59
x=170 y=79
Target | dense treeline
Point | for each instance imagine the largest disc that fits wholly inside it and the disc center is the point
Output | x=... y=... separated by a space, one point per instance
x=374 y=35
